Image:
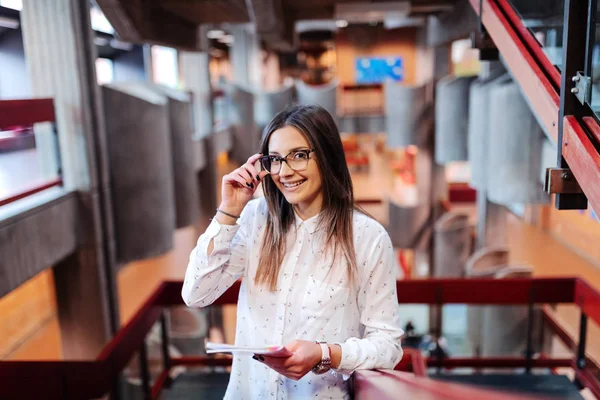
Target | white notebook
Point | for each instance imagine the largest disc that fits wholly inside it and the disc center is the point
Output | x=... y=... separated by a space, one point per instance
x=272 y=351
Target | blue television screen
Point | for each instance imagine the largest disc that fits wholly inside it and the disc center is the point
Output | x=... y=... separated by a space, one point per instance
x=379 y=69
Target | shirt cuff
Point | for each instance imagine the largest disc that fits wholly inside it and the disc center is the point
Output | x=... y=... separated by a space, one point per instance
x=221 y=234
x=348 y=360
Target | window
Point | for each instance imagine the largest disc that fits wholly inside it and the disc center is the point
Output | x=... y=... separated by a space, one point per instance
x=104 y=71
x=164 y=66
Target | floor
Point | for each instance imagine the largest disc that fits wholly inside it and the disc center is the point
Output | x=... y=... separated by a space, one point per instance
x=529 y=245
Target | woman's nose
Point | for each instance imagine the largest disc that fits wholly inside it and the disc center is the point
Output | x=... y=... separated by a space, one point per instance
x=286 y=170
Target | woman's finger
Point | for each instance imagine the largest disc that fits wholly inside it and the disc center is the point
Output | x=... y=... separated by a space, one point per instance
x=254 y=158
x=237 y=180
x=253 y=172
x=245 y=177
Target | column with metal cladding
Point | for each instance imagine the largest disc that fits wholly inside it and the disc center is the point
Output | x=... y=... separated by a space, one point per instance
x=139 y=148
x=60 y=54
x=183 y=155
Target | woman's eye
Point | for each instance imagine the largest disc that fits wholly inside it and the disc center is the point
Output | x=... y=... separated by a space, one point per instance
x=300 y=156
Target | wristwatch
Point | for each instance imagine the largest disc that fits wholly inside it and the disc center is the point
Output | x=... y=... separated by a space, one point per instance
x=325 y=364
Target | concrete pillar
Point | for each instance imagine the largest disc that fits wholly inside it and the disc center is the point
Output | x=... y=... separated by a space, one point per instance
x=245 y=56
x=195 y=77
x=60 y=54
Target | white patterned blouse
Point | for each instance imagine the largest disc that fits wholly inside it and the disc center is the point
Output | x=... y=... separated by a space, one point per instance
x=314 y=300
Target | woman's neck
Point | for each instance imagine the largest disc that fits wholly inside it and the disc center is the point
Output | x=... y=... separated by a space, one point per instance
x=306 y=211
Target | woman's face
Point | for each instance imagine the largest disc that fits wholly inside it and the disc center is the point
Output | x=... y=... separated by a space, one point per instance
x=300 y=188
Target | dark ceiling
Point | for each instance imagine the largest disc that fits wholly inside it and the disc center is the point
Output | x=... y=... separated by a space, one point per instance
x=175 y=22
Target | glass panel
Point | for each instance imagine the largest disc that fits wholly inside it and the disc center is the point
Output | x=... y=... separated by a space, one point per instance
x=595 y=102
x=191 y=328
x=196 y=384
x=28 y=159
x=544 y=18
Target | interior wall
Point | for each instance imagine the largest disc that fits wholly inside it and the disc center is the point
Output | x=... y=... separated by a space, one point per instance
x=366 y=41
x=14 y=79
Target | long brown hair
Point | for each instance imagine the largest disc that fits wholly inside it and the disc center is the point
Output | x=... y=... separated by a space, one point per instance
x=322 y=134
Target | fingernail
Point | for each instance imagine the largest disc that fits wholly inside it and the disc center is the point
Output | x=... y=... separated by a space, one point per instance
x=255 y=357
x=252 y=185
x=261 y=358
x=247 y=184
x=258 y=177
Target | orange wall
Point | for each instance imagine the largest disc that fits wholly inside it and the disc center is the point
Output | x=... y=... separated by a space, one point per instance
x=26 y=310
x=373 y=42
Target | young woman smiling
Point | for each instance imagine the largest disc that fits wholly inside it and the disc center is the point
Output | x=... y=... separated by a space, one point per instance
x=317 y=274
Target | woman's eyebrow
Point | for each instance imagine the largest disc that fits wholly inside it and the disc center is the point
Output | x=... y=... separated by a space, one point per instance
x=275 y=153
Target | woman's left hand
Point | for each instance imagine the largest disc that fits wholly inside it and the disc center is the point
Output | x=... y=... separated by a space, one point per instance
x=305 y=356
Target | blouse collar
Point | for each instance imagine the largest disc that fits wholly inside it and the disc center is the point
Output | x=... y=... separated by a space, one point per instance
x=309 y=224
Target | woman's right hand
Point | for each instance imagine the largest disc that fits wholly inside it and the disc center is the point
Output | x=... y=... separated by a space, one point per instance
x=239 y=186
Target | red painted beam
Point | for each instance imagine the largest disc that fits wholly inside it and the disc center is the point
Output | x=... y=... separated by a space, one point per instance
x=25 y=112
x=531 y=43
x=499 y=362
x=589 y=380
x=223 y=361
x=389 y=384
x=486 y=291
x=588 y=300
x=582 y=157
x=431 y=291
x=31 y=191
x=159 y=384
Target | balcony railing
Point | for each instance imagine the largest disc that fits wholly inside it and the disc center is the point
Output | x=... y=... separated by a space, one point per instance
x=26 y=113
x=95 y=378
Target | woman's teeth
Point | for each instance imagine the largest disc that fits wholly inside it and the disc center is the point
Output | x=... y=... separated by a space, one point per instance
x=290 y=185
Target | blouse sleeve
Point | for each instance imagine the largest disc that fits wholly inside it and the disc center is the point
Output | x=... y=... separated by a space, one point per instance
x=380 y=346
x=208 y=276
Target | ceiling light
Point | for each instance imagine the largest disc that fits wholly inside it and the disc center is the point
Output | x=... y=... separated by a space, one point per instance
x=341 y=23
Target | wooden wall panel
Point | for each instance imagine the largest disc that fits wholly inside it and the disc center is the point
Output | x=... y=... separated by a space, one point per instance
x=26 y=310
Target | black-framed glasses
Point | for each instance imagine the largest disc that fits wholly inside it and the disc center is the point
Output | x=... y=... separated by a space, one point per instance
x=296 y=160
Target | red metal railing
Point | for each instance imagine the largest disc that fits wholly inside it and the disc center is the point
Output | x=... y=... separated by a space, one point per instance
x=26 y=113
x=14 y=113
x=93 y=379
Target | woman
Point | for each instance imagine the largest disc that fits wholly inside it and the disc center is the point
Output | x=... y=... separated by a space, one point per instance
x=317 y=274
